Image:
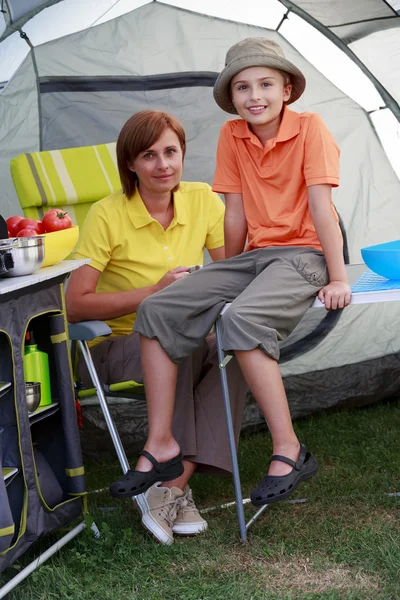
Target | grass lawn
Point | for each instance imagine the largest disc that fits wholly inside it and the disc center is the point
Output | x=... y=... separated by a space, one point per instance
x=343 y=543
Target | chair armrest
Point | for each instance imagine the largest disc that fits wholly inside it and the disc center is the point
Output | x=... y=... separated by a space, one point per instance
x=87 y=330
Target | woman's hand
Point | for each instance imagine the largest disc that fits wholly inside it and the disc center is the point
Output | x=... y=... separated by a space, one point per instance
x=171 y=277
x=337 y=294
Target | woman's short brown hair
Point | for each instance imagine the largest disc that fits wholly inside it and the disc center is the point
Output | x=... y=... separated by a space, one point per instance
x=140 y=132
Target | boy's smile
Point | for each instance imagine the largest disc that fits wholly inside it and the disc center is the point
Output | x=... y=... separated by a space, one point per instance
x=258 y=94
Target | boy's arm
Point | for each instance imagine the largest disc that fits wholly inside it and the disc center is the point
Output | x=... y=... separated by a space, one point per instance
x=337 y=293
x=235 y=225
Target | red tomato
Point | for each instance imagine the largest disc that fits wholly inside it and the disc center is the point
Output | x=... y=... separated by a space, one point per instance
x=40 y=228
x=12 y=224
x=27 y=232
x=31 y=224
x=56 y=220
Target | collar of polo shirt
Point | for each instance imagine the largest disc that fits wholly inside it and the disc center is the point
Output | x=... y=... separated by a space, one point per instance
x=141 y=217
x=289 y=128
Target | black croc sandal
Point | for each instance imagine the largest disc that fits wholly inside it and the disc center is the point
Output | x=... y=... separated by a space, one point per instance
x=274 y=488
x=135 y=482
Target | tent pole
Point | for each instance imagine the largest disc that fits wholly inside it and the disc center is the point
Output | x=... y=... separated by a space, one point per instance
x=281 y=22
x=35 y=68
x=388 y=99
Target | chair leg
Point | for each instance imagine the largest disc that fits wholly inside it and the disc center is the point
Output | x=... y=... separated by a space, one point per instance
x=231 y=434
x=104 y=406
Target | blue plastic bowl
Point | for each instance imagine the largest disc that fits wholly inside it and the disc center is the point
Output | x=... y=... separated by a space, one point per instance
x=383 y=259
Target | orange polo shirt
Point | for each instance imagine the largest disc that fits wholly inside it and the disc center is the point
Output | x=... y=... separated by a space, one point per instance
x=273 y=180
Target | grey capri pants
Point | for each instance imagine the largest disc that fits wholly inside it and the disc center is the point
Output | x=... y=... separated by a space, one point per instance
x=270 y=290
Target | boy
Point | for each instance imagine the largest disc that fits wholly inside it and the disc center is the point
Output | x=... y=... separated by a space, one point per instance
x=276 y=169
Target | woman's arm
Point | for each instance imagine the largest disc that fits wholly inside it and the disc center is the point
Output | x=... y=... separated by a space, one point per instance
x=84 y=303
x=235 y=225
x=217 y=253
x=337 y=293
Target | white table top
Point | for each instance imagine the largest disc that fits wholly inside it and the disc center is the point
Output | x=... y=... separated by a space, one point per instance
x=353 y=273
x=10 y=284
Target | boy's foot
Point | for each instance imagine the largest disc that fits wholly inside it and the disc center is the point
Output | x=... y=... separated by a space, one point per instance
x=159 y=507
x=279 y=468
x=188 y=520
x=274 y=488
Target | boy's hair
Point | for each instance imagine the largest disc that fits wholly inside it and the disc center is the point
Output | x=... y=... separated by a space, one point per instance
x=138 y=134
x=286 y=77
x=286 y=81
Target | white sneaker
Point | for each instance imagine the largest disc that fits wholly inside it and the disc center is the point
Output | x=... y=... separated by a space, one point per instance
x=188 y=520
x=159 y=506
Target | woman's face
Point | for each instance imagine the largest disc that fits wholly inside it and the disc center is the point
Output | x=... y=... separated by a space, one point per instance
x=159 y=168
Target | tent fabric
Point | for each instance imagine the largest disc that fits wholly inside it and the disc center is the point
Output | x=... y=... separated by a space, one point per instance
x=374 y=51
x=346 y=21
x=160 y=40
x=352 y=20
x=17 y=12
x=349 y=20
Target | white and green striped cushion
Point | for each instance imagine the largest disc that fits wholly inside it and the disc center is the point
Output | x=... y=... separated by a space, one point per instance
x=71 y=179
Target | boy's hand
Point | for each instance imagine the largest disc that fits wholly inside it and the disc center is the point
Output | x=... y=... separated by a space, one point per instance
x=336 y=294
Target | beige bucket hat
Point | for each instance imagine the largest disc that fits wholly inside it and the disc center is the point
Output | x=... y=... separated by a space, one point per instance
x=255 y=52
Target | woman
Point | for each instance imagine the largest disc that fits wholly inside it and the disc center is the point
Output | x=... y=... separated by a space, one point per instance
x=141 y=240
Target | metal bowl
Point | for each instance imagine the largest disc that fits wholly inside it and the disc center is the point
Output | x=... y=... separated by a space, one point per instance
x=33 y=395
x=27 y=254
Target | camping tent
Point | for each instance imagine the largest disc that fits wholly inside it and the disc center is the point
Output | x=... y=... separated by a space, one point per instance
x=78 y=89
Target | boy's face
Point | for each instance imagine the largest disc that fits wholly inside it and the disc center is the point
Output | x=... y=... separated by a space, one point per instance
x=258 y=94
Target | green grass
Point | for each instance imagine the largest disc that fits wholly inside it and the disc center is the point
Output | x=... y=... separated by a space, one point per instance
x=343 y=543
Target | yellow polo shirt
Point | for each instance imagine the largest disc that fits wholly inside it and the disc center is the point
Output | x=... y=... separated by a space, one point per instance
x=132 y=250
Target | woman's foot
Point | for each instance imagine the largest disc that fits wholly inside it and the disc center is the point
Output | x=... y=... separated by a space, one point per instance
x=168 y=511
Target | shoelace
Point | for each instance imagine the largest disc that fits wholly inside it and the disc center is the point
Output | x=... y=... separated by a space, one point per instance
x=170 y=509
x=189 y=505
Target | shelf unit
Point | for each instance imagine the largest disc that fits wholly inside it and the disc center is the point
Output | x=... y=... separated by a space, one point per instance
x=43 y=485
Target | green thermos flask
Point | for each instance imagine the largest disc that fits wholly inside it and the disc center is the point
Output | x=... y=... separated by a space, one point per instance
x=36 y=368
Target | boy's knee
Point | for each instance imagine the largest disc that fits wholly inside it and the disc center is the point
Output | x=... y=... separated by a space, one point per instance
x=148 y=308
x=232 y=316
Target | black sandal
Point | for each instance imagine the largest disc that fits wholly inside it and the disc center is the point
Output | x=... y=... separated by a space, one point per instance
x=135 y=482
x=274 y=488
